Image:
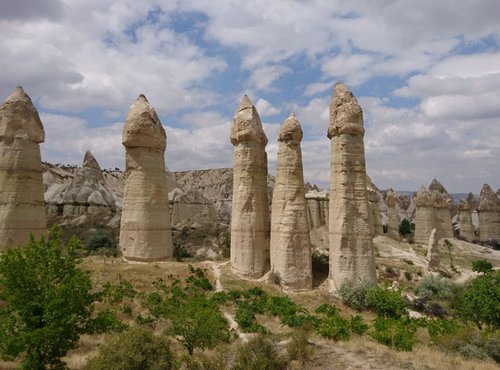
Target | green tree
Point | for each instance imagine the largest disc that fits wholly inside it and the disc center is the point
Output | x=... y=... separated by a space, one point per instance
x=480 y=301
x=405 y=228
x=45 y=302
x=483 y=266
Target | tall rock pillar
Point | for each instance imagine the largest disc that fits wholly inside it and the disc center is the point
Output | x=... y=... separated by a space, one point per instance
x=488 y=211
x=290 y=243
x=22 y=207
x=250 y=224
x=145 y=231
x=424 y=216
x=442 y=217
x=465 y=219
x=350 y=238
x=392 y=215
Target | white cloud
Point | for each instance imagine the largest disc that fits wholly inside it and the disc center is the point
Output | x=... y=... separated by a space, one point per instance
x=265 y=108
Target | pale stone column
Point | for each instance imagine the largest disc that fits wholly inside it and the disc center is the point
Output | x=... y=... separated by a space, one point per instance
x=145 y=231
x=424 y=216
x=392 y=216
x=442 y=217
x=433 y=251
x=465 y=219
x=350 y=238
x=488 y=211
x=250 y=223
x=22 y=207
x=290 y=243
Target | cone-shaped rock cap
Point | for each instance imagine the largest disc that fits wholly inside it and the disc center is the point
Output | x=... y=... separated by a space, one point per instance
x=90 y=162
x=424 y=197
x=346 y=115
x=437 y=186
x=488 y=200
x=463 y=206
x=143 y=127
x=472 y=200
x=290 y=130
x=390 y=198
x=246 y=124
x=439 y=200
x=19 y=118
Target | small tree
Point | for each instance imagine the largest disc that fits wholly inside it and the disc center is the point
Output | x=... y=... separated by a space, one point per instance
x=405 y=227
x=483 y=266
x=45 y=302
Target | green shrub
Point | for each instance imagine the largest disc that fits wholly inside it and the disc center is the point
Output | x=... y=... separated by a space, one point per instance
x=480 y=301
x=385 y=302
x=327 y=309
x=434 y=287
x=115 y=293
x=355 y=296
x=46 y=302
x=245 y=317
x=334 y=327
x=395 y=333
x=405 y=228
x=357 y=325
x=483 y=266
x=259 y=353
x=102 y=238
x=135 y=349
x=439 y=328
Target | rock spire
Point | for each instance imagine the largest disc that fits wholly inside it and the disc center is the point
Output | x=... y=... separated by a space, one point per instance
x=250 y=223
x=488 y=210
x=290 y=242
x=465 y=220
x=433 y=251
x=392 y=215
x=145 y=231
x=424 y=216
x=22 y=207
x=350 y=237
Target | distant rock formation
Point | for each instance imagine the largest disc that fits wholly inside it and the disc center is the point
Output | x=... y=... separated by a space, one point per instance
x=424 y=216
x=393 y=220
x=374 y=197
x=350 y=239
x=465 y=220
x=472 y=201
x=87 y=193
x=317 y=206
x=145 y=231
x=489 y=214
x=250 y=221
x=442 y=217
x=290 y=243
x=192 y=209
x=22 y=207
x=433 y=251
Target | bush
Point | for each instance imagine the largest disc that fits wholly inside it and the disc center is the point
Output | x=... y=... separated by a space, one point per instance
x=480 y=301
x=355 y=296
x=45 y=302
x=385 y=302
x=433 y=287
x=440 y=328
x=135 y=349
x=483 y=266
x=357 y=325
x=405 y=228
x=395 y=333
x=101 y=239
x=335 y=327
x=299 y=349
x=259 y=353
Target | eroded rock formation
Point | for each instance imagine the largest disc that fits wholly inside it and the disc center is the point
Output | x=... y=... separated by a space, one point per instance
x=290 y=243
x=350 y=237
x=145 y=231
x=433 y=251
x=442 y=217
x=488 y=210
x=465 y=220
x=392 y=215
x=22 y=207
x=250 y=223
x=424 y=216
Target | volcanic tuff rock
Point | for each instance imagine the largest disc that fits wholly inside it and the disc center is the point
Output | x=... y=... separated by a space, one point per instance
x=392 y=216
x=424 y=216
x=489 y=214
x=22 y=207
x=250 y=223
x=350 y=237
x=465 y=220
x=442 y=217
x=317 y=206
x=433 y=251
x=290 y=243
x=145 y=232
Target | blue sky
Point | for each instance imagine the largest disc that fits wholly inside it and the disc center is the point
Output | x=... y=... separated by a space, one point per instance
x=426 y=73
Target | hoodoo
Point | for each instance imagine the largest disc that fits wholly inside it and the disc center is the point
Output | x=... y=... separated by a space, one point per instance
x=22 y=207
x=250 y=221
x=350 y=237
x=465 y=220
x=489 y=214
x=424 y=216
x=290 y=243
x=145 y=231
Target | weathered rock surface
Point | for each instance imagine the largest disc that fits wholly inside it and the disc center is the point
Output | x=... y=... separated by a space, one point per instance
x=465 y=220
x=442 y=217
x=290 y=243
x=250 y=221
x=350 y=237
x=22 y=207
x=317 y=207
x=393 y=220
x=191 y=209
x=489 y=214
x=433 y=251
x=424 y=216
x=145 y=231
